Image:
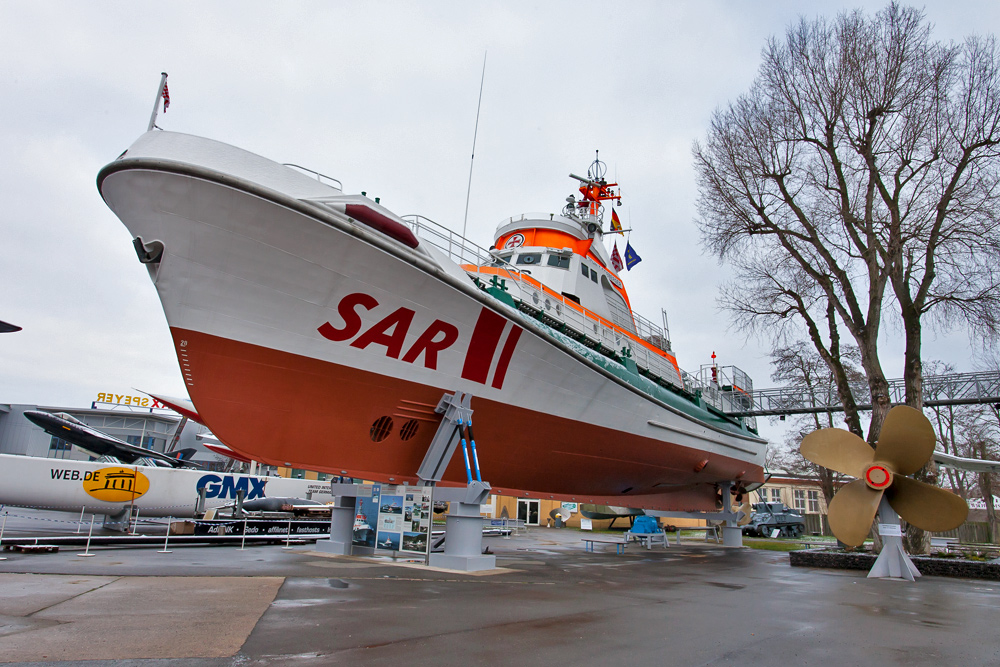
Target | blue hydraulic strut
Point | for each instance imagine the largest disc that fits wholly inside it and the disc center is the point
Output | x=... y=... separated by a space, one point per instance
x=465 y=452
x=475 y=456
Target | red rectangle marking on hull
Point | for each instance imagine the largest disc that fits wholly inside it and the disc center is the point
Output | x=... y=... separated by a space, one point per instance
x=482 y=347
x=505 y=355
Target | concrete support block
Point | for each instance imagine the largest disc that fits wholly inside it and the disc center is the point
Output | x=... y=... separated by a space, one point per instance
x=732 y=536
x=341 y=528
x=463 y=550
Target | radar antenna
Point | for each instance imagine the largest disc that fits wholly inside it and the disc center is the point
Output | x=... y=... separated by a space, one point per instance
x=597 y=169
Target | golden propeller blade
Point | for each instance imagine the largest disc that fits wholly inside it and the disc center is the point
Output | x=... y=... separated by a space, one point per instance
x=839 y=450
x=906 y=441
x=851 y=512
x=926 y=506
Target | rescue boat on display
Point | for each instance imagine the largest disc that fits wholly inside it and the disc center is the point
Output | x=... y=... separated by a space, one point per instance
x=319 y=330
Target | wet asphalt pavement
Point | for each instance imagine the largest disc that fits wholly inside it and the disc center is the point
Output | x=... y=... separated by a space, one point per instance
x=548 y=603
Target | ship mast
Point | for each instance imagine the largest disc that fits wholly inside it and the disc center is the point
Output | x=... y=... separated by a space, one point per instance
x=595 y=189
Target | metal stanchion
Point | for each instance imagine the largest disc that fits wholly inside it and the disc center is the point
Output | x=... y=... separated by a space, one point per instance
x=244 y=540
x=86 y=552
x=166 y=537
x=79 y=524
x=2 y=527
x=288 y=536
x=136 y=524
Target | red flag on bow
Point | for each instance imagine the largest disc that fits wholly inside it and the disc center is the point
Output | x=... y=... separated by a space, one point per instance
x=616 y=259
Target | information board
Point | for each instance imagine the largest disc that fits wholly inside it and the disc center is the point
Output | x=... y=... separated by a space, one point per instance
x=395 y=518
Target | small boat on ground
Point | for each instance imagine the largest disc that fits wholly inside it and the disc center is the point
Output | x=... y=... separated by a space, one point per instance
x=319 y=330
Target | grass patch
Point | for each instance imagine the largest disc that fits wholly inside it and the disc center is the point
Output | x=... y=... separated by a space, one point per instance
x=772 y=545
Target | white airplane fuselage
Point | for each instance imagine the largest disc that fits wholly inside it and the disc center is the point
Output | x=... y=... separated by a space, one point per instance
x=107 y=488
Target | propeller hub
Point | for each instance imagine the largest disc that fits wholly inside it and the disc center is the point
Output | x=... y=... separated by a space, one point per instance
x=878 y=477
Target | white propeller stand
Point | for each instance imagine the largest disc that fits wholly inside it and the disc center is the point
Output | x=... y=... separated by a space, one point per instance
x=892 y=561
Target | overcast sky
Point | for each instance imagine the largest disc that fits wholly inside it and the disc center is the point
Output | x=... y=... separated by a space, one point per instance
x=383 y=97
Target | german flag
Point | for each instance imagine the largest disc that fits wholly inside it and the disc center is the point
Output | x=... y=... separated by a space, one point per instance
x=616 y=224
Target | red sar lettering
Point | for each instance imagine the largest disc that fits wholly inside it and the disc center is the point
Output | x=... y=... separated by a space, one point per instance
x=390 y=332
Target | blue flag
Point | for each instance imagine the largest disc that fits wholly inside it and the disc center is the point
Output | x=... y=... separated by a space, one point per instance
x=631 y=257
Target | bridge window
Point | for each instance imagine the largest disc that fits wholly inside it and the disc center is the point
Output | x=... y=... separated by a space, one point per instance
x=585 y=270
x=559 y=262
x=530 y=258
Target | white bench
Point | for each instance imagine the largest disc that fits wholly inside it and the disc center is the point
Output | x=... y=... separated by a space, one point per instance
x=713 y=530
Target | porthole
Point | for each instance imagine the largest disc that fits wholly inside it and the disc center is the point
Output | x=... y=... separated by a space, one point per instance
x=409 y=429
x=381 y=429
x=534 y=297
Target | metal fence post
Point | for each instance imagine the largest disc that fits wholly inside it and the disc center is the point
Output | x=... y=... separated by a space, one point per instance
x=86 y=552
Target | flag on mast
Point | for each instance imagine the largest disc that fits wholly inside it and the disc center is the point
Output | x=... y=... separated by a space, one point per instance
x=616 y=224
x=616 y=259
x=166 y=95
x=631 y=256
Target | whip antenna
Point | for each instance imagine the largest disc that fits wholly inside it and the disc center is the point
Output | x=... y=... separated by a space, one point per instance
x=479 y=105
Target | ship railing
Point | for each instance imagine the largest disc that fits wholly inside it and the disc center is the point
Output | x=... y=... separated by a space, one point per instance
x=559 y=312
x=319 y=177
x=597 y=332
x=652 y=333
x=460 y=249
x=731 y=390
x=530 y=215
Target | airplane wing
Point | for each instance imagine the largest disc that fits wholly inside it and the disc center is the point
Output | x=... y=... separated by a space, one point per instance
x=97 y=443
x=182 y=406
x=972 y=465
x=216 y=446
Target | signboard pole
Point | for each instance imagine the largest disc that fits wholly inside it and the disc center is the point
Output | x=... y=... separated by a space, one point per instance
x=430 y=527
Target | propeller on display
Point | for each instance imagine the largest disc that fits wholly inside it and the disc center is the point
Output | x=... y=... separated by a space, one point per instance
x=747 y=512
x=905 y=445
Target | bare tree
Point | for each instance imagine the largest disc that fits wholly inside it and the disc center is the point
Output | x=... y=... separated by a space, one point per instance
x=863 y=165
x=801 y=366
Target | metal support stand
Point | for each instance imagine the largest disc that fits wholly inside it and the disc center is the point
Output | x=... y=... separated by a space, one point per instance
x=892 y=561
x=464 y=524
x=463 y=550
x=732 y=533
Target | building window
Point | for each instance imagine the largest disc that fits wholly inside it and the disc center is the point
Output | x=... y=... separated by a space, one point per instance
x=814 y=502
x=145 y=443
x=323 y=476
x=800 y=499
x=58 y=445
x=775 y=495
x=298 y=474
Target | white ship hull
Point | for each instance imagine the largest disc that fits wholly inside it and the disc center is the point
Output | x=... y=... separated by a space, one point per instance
x=299 y=328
